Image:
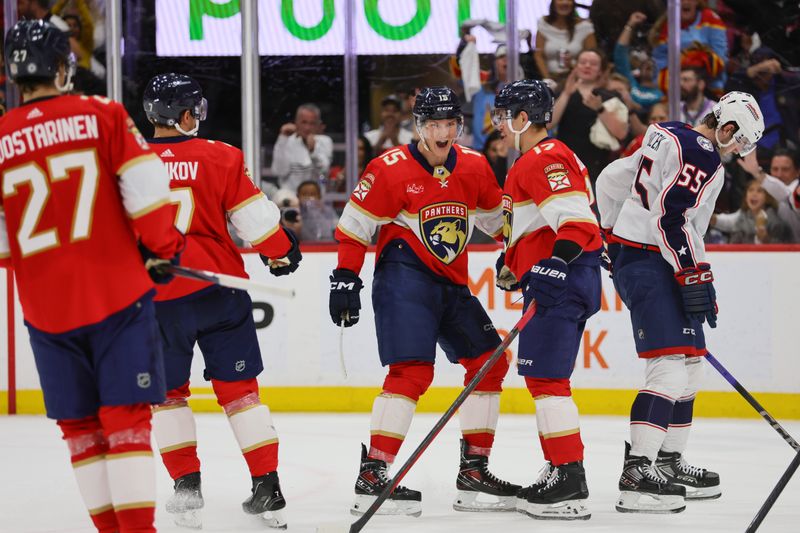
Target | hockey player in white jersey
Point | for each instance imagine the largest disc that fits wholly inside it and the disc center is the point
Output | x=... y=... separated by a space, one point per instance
x=657 y=204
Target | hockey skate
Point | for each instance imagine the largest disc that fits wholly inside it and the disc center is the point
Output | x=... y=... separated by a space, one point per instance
x=478 y=489
x=541 y=481
x=267 y=500
x=372 y=479
x=644 y=489
x=700 y=483
x=564 y=495
x=186 y=502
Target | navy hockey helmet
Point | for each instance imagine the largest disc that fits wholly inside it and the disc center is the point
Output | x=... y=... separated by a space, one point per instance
x=167 y=96
x=532 y=96
x=437 y=103
x=434 y=103
x=34 y=51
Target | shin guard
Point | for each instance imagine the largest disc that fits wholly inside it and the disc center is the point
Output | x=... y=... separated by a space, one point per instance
x=251 y=423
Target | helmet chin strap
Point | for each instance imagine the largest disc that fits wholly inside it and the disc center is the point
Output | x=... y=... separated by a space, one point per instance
x=67 y=86
x=517 y=134
x=192 y=132
x=720 y=143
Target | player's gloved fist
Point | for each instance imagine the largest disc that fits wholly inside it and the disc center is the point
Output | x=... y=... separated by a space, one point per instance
x=345 y=303
x=155 y=264
x=505 y=279
x=547 y=282
x=288 y=263
x=697 y=291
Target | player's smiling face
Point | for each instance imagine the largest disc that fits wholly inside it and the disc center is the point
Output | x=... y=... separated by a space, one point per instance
x=501 y=120
x=440 y=135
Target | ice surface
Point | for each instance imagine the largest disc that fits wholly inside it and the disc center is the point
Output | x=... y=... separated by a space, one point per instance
x=319 y=460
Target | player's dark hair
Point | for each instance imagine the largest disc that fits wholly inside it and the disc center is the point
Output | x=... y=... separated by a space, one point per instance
x=710 y=121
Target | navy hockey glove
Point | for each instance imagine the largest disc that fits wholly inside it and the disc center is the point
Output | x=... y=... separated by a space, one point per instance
x=288 y=263
x=697 y=291
x=547 y=282
x=153 y=264
x=345 y=303
x=505 y=280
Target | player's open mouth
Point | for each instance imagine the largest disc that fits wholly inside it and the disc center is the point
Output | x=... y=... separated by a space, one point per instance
x=442 y=144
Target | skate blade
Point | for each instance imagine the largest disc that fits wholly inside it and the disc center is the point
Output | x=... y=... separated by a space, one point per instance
x=642 y=502
x=188 y=519
x=274 y=519
x=388 y=507
x=703 y=493
x=471 y=501
x=566 y=510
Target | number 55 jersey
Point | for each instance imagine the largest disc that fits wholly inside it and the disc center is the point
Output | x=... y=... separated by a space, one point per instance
x=662 y=197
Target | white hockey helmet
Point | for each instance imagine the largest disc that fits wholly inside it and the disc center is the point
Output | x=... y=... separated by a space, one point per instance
x=741 y=109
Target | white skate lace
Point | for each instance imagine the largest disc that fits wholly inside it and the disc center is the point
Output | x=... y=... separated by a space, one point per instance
x=686 y=468
x=652 y=473
x=552 y=480
x=544 y=473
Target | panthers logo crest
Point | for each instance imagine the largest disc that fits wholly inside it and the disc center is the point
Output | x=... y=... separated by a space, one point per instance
x=443 y=228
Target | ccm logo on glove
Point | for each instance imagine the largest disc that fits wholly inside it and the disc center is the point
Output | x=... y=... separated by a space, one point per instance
x=343 y=285
x=546 y=271
x=694 y=279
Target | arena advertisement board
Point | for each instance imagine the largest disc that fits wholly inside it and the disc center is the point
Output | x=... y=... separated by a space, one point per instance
x=316 y=27
x=300 y=345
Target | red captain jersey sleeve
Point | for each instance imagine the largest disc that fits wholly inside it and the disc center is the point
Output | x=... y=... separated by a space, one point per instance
x=374 y=202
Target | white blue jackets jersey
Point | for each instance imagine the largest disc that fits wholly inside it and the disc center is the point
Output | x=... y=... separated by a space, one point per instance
x=662 y=197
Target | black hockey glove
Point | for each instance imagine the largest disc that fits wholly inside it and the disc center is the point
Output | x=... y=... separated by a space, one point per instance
x=697 y=291
x=153 y=264
x=505 y=280
x=547 y=282
x=345 y=303
x=288 y=263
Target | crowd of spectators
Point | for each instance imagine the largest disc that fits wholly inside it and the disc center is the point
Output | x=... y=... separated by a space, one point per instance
x=608 y=72
x=603 y=107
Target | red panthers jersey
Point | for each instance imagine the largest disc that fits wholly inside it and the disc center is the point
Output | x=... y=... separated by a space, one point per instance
x=433 y=209
x=210 y=185
x=548 y=197
x=79 y=183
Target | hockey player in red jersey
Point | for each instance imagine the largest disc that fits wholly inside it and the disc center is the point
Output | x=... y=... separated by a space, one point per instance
x=552 y=246
x=657 y=204
x=79 y=183
x=210 y=186
x=426 y=198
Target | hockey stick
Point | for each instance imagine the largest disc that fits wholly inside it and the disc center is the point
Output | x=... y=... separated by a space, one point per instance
x=225 y=280
x=773 y=496
x=752 y=401
x=359 y=524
